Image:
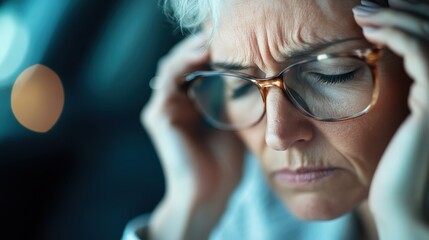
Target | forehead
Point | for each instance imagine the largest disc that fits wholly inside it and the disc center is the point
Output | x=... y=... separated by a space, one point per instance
x=261 y=33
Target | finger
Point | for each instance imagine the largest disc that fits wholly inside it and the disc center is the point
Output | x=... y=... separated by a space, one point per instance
x=405 y=166
x=173 y=69
x=418 y=7
x=399 y=184
x=191 y=42
x=414 y=51
x=184 y=59
x=168 y=104
x=186 y=51
x=407 y=155
x=393 y=18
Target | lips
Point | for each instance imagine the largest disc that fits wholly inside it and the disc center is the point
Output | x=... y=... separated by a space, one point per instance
x=303 y=176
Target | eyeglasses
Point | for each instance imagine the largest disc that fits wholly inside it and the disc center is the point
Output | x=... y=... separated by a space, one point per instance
x=326 y=87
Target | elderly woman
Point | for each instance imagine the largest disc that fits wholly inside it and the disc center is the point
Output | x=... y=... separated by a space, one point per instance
x=330 y=99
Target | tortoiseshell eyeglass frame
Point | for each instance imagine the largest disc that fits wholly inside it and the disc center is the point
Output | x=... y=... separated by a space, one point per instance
x=368 y=55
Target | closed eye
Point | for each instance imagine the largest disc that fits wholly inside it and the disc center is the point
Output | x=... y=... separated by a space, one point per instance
x=334 y=79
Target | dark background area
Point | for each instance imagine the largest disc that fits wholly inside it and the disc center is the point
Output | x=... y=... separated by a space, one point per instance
x=96 y=168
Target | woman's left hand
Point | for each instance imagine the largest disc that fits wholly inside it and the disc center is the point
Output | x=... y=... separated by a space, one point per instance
x=399 y=185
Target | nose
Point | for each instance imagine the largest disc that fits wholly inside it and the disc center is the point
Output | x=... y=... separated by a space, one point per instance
x=286 y=126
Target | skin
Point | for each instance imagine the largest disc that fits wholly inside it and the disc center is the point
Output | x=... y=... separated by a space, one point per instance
x=383 y=155
x=287 y=139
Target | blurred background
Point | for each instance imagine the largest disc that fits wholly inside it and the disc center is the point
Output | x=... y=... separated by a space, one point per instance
x=96 y=168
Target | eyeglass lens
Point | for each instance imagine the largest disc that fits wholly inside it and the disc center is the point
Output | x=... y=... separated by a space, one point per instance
x=332 y=88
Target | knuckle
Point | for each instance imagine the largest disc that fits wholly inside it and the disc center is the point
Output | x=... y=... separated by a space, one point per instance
x=163 y=109
x=416 y=46
x=412 y=44
x=163 y=62
x=148 y=116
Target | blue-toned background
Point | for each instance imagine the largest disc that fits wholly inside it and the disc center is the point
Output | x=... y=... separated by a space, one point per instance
x=96 y=168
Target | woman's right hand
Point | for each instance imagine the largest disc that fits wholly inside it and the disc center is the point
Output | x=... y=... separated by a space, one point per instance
x=202 y=166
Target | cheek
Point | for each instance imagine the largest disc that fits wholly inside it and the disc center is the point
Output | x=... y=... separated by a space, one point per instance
x=362 y=141
x=392 y=106
x=359 y=142
x=357 y=146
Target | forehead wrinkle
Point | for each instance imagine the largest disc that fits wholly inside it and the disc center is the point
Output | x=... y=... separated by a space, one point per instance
x=275 y=41
x=243 y=39
x=267 y=40
x=264 y=40
x=261 y=33
x=239 y=42
x=255 y=48
x=291 y=32
x=253 y=51
x=297 y=35
x=262 y=59
x=321 y=26
x=256 y=45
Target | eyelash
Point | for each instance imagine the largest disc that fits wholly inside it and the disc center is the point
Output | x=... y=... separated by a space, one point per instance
x=335 y=79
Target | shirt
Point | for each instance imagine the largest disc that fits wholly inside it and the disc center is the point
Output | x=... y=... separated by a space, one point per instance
x=254 y=212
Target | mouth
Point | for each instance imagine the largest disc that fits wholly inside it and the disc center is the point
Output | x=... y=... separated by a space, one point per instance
x=303 y=177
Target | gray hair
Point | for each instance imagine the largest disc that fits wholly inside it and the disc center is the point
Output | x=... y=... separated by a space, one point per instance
x=192 y=14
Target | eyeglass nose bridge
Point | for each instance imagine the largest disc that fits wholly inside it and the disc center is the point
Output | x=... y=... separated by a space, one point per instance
x=266 y=84
x=289 y=93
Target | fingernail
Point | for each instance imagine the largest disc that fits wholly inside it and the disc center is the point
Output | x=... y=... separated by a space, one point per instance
x=369 y=30
x=369 y=4
x=364 y=11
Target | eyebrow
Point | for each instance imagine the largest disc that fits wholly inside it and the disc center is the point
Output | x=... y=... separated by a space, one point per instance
x=307 y=50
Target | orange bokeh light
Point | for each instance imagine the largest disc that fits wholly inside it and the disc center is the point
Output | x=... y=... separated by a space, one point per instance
x=37 y=98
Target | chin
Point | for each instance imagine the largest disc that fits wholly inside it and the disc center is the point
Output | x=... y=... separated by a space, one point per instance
x=311 y=206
